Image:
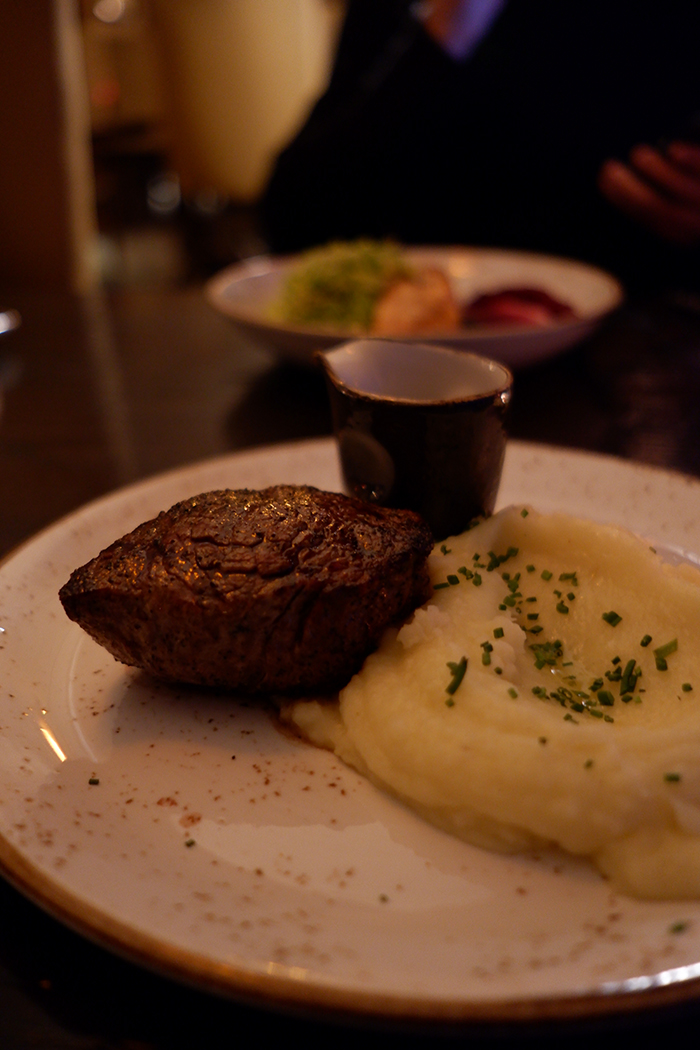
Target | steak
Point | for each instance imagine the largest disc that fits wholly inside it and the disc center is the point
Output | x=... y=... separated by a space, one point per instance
x=283 y=590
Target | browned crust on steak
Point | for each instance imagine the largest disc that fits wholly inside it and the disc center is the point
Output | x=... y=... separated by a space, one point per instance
x=283 y=590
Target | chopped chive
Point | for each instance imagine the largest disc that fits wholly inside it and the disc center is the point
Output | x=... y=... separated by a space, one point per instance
x=687 y=687
x=458 y=671
x=661 y=664
x=524 y=512
x=513 y=693
x=449 y=702
x=498 y=632
x=672 y=778
x=439 y=586
x=546 y=574
x=547 y=652
x=588 y=764
x=498 y=670
x=595 y=712
x=606 y=698
x=667 y=649
x=530 y=568
x=626 y=684
x=477 y=580
x=608 y=718
x=561 y=608
x=612 y=618
x=452 y=579
x=94 y=781
x=645 y=640
x=486 y=658
x=444 y=549
x=537 y=629
x=533 y=616
x=678 y=927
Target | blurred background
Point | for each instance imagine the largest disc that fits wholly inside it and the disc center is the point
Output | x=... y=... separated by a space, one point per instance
x=138 y=134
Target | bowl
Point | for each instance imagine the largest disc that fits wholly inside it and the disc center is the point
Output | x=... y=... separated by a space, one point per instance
x=246 y=293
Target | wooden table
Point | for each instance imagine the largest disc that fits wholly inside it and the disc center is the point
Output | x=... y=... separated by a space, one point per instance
x=100 y=392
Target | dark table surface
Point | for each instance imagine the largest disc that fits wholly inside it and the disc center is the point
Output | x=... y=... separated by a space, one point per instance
x=102 y=391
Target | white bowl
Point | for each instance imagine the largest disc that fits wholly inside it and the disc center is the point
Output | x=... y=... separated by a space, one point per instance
x=246 y=292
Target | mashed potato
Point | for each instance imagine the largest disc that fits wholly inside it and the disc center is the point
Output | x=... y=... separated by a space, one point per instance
x=548 y=693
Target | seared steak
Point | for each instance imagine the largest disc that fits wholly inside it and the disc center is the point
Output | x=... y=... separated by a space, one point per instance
x=284 y=590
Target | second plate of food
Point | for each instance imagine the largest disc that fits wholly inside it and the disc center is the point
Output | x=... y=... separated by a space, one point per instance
x=249 y=294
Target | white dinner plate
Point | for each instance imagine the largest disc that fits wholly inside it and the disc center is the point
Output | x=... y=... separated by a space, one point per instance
x=247 y=291
x=187 y=831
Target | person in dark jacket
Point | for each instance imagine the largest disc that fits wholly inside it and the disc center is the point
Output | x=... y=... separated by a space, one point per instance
x=534 y=124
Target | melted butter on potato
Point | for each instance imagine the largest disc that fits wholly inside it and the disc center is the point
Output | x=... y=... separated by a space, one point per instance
x=550 y=735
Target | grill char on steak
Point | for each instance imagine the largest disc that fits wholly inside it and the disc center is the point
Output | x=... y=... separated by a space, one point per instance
x=284 y=590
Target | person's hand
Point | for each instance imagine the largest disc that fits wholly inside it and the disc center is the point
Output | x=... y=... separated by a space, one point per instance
x=661 y=190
